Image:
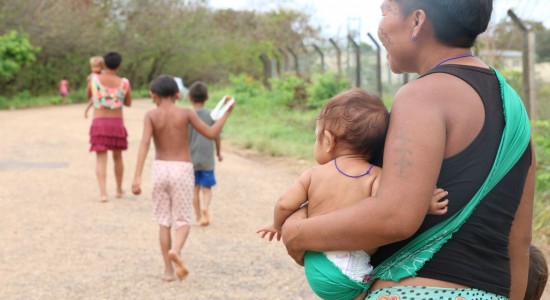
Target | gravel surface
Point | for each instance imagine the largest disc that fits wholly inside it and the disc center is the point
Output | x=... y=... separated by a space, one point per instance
x=58 y=242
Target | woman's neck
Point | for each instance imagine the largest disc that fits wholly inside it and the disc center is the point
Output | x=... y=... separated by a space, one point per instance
x=438 y=54
x=109 y=72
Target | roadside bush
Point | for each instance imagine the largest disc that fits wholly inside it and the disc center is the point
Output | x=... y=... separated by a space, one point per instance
x=290 y=91
x=16 y=51
x=324 y=87
x=244 y=86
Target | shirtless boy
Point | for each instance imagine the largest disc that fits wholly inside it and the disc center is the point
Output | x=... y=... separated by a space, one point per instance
x=172 y=171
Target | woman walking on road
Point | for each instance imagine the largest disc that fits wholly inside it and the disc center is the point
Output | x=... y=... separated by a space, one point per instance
x=109 y=93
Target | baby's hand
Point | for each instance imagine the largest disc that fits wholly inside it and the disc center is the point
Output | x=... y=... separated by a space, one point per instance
x=271 y=231
x=136 y=186
x=438 y=207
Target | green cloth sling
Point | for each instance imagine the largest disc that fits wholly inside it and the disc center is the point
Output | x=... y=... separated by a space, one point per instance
x=327 y=280
x=515 y=138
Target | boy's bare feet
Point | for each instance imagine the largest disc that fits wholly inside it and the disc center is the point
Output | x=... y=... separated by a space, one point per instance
x=103 y=198
x=181 y=270
x=168 y=276
x=204 y=218
x=120 y=194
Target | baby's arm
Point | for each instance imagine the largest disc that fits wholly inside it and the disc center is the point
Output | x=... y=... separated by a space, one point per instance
x=291 y=200
x=142 y=155
x=438 y=207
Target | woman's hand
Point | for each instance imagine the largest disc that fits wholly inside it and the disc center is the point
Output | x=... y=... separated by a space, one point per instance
x=290 y=232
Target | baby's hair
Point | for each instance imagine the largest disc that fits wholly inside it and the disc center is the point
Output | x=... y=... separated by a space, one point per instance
x=112 y=60
x=357 y=119
x=96 y=60
x=538 y=274
x=164 y=86
x=97 y=64
x=198 y=92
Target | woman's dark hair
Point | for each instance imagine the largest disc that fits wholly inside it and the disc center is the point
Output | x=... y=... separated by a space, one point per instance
x=456 y=23
x=198 y=92
x=538 y=274
x=164 y=86
x=357 y=119
x=112 y=60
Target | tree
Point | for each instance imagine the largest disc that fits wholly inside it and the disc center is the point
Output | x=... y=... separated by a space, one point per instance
x=16 y=51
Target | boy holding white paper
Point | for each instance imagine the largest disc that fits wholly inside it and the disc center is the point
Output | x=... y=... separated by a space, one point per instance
x=202 y=151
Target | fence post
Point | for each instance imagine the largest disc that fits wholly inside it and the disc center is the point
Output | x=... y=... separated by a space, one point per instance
x=338 y=56
x=529 y=88
x=267 y=70
x=278 y=65
x=378 y=65
x=296 y=62
x=322 y=57
x=357 y=61
x=285 y=60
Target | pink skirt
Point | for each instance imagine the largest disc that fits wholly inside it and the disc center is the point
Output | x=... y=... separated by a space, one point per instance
x=108 y=134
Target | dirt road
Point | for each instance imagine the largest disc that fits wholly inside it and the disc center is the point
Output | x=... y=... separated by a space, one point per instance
x=58 y=242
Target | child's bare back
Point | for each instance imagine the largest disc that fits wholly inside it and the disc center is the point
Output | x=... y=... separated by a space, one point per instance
x=170 y=131
x=168 y=126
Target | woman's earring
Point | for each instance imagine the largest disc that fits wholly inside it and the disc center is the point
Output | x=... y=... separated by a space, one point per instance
x=414 y=38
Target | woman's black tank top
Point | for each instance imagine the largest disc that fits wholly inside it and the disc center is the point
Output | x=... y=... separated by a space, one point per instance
x=477 y=255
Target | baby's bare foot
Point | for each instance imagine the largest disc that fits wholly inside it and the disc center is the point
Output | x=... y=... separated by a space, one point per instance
x=120 y=194
x=181 y=270
x=103 y=198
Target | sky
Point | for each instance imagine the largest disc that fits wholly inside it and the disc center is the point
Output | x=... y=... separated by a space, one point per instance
x=363 y=15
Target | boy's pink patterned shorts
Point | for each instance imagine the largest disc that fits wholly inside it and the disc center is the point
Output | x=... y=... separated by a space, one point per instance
x=173 y=183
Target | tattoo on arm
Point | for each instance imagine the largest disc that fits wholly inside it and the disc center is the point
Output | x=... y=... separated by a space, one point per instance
x=404 y=161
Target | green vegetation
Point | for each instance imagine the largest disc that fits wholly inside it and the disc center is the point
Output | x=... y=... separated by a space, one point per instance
x=541 y=138
x=187 y=39
x=280 y=122
x=15 y=52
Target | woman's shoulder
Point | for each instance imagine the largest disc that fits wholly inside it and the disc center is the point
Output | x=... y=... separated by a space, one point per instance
x=427 y=90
